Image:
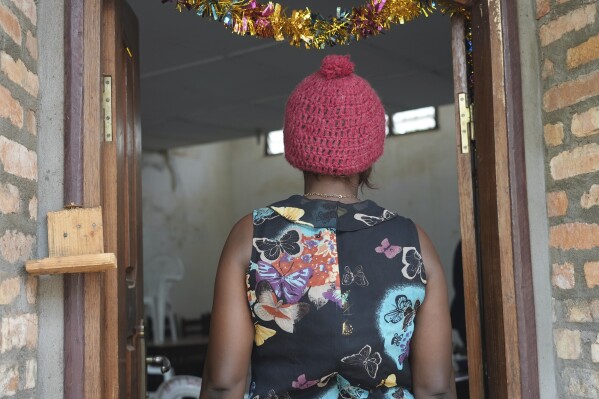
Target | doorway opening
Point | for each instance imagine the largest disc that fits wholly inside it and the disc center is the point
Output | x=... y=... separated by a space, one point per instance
x=208 y=102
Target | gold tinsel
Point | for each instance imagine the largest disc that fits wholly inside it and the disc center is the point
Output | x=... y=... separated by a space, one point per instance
x=248 y=17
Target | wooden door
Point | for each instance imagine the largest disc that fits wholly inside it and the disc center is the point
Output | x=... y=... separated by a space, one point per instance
x=467 y=196
x=494 y=219
x=121 y=187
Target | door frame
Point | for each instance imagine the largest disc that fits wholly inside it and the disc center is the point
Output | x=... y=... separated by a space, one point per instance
x=507 y=241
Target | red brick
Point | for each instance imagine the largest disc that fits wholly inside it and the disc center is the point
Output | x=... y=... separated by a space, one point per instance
x=543 y=7
x=574 y=236
x=17 y=159
x=573 y=21
x=10 y=199
x=578 y=311
x=583 y=383
x=18 y=331
x=548 y=69
x=10 y=289
x=583 y=53
x=10 y=24
x=30 y=373
x=591 y=274
x=28 y=8
x=33 y=208
x=562 y=276
x=554 y=134
x=31 y=289
x=567 y=343
x=31 y=45
x=9 y=379
x=557 y=203
x=580 y=160
x=31 y=122
x=10 y=108
x=591 y=198
x=595 y=352
x=18 y=73
x=586 y=123
x=16 y=246
x=571 y=92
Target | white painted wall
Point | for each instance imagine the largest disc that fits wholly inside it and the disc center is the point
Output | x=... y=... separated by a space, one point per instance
x=417 y=177
x=219 y=183
x=186 y=213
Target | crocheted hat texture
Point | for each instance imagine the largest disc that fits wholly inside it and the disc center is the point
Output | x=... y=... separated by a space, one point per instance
x=334 y=121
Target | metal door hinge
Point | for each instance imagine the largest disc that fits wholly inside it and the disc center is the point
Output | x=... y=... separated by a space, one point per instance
x=466 y=122
x=107 y=106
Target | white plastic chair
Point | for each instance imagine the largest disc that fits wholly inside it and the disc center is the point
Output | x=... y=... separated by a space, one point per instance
x=159 y=274
x=179 y=387
x=155 y=370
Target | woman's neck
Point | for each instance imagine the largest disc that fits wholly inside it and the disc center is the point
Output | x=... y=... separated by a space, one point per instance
x=346 y=187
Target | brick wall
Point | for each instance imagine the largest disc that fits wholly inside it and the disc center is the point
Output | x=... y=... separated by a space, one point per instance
x=568 y=33
x=19 y=87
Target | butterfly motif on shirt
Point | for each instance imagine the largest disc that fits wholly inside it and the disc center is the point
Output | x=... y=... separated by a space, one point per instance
x=402 y=303
x=390 y=251
x=272 y=395
x=263 y=214
x=347 y=391
x=262 y=334
x=409 y=314
x=357 y=276
x=398 y=394
x=396 y=339
x=413 y=266
x=271 y=249
x=373 y=220
x=269 y=307
x=302 y=383
x=363 y=358
x=292 y=214
x=291 y=286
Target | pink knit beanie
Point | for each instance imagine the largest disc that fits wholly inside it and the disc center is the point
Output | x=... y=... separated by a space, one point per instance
x=334 y=121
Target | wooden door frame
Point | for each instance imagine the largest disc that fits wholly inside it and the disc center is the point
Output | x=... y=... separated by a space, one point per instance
x=88 y=357
x=504 y=244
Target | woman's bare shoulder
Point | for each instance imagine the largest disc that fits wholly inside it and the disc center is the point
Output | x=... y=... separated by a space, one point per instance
x=238 y=248
x=430 y=258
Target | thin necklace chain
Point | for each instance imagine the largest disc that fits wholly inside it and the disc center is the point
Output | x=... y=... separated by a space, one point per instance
x=340 y=196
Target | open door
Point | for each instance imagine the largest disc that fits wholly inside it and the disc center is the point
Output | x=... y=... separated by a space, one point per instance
x=124 y=353
x=500 y=321
x=466 y=178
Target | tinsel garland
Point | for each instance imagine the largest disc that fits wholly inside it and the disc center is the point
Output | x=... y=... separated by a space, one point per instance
x=248 y=17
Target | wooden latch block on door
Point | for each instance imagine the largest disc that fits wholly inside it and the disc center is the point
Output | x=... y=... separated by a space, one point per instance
x=75 y=243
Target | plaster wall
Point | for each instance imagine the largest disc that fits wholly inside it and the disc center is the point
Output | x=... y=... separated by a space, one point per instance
x=187 y=213
x=50 y=192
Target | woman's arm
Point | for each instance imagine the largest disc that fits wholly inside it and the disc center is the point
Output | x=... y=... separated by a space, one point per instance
x=431 y=347
x=231 y=326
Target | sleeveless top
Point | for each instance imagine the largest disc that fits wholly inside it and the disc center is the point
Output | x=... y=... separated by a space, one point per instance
x=333 y=291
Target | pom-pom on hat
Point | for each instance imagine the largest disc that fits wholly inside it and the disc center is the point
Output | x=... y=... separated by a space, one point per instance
x=334 y=121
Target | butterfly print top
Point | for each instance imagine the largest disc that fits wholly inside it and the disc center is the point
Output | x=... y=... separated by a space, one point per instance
x=333 y=290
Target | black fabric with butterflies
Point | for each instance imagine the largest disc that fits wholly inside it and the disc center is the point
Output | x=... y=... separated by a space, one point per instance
x=334 y=290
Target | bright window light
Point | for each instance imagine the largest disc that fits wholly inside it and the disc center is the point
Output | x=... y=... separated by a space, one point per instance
x=415 y=120
x=386 y=124
x=274 y=143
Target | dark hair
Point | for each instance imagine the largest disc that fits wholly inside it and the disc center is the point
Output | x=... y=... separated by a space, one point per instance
x=363 y=178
